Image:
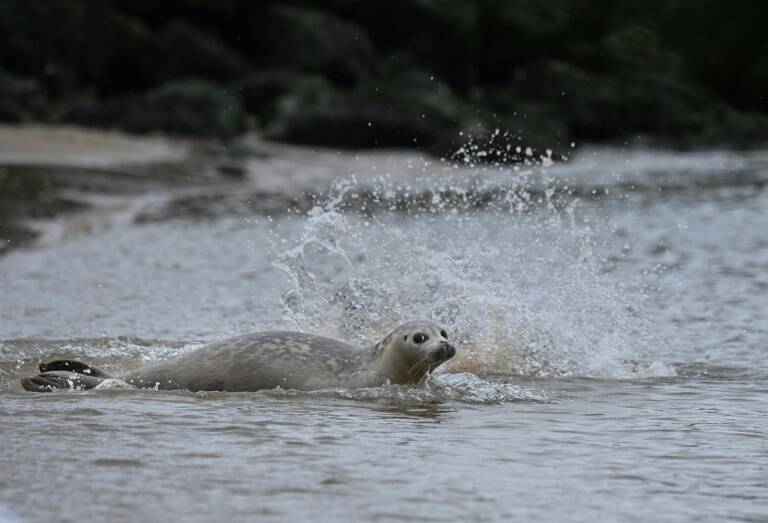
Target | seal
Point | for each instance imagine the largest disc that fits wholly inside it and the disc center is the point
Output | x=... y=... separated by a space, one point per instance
x=266 y=360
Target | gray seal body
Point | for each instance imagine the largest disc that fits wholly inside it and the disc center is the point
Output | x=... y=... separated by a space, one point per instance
x=266 y=360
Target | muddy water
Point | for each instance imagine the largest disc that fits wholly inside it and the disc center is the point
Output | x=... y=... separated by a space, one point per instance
x=609 y=315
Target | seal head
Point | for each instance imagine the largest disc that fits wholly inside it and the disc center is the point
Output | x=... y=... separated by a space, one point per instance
x=411 y=351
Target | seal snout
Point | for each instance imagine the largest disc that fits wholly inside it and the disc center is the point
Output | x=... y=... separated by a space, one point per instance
x=446 y=351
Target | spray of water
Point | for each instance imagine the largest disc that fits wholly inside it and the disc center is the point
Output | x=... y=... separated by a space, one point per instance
x=501 y=255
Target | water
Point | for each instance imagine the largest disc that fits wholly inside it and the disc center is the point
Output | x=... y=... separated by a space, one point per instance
x=608 y=313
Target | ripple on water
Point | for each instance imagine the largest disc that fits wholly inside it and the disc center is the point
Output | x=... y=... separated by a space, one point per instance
x=118 y=462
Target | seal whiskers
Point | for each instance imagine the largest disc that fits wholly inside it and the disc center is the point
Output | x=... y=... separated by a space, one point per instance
x=420 y=368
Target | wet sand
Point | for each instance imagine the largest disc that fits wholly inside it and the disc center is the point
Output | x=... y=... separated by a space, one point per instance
x=65 y=146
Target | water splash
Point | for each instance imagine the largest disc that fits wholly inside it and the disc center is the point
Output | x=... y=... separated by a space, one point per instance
x=455 y=387
x=504 y=259
x=437 y=389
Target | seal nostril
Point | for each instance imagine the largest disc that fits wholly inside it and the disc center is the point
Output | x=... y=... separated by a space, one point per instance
x=447 y=350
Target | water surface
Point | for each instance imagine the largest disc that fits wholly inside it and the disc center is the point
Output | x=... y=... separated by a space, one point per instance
x=609 y=314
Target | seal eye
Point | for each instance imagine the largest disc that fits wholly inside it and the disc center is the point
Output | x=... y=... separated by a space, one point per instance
x=420 y=338
x=444 y=334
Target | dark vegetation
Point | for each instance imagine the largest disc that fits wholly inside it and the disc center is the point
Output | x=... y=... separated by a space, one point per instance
x=362 y=73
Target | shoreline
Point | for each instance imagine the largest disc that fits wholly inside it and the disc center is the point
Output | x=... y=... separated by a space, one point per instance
x=51 y=171
x=73 y=180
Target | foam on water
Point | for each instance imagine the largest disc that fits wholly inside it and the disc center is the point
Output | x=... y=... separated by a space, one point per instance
x=514 y=276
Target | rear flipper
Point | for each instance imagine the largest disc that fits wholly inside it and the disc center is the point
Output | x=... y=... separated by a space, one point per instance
x=73 y=366
x=64 y=375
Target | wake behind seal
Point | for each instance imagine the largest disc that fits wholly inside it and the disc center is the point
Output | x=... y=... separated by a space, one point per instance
x=266 y=360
